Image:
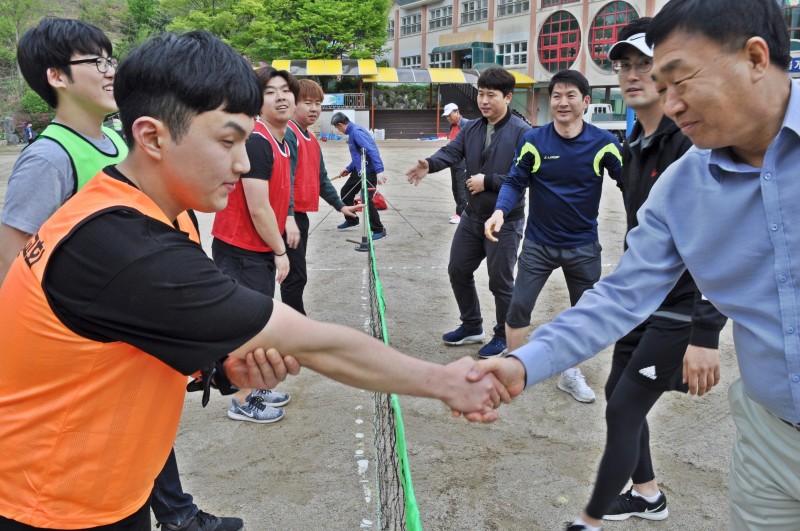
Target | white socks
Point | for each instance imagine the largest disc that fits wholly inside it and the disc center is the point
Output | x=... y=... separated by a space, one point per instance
x=650 y=499
x=579 y=521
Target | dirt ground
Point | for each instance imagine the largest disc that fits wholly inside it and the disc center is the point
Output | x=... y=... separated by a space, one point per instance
x=532 y=470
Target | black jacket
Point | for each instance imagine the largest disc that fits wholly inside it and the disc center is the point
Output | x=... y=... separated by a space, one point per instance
x=641 y=168
x=494 y=162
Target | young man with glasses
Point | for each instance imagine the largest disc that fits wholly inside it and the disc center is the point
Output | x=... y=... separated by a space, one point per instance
x=649 y=360
x=69 y=64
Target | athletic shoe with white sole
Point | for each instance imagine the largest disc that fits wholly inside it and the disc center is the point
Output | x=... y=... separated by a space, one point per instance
x=271 y=398
x=462 y=336
x=254 y=410
x=494 y=348
x=628 y=504
x=576 y=386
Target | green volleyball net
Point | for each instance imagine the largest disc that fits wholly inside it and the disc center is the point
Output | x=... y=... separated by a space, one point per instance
x=396 y=504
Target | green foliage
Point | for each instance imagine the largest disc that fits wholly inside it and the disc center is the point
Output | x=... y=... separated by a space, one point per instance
x=298 y=29
x=334 y=29
x=32 y=103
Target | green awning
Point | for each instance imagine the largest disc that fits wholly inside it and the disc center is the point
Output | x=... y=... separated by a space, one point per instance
x=462 y=46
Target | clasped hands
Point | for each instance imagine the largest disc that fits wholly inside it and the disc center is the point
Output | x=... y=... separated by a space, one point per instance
x=471 y=389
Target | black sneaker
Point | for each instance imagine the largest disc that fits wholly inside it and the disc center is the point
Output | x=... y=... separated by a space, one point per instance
x=627 y=505
x=203 y=521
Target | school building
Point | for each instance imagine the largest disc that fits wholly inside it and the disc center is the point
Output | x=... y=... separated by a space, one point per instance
x=533 y=37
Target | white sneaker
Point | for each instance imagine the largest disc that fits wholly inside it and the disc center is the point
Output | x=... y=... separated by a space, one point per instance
x=576 y=386
x=455 y=219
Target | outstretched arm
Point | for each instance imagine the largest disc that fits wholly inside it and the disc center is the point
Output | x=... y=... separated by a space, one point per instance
x=357 y=359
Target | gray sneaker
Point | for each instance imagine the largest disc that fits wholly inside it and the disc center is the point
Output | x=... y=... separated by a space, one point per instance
x=254 y=410
x=576 y=386
x=271 y=398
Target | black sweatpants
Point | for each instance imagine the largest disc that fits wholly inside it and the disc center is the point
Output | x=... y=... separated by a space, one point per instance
x=353 y=187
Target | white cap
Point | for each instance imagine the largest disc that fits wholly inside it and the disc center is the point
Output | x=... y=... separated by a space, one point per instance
x=450 y=107
x=637 y=41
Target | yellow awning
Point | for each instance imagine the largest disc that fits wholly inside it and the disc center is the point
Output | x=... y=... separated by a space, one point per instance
x=384 y=75
x=327 y=67
x=447 y=75
x=522 y=79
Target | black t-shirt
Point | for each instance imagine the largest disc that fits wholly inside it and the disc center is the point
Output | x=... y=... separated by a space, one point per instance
x=123 y=276
x=259 y=151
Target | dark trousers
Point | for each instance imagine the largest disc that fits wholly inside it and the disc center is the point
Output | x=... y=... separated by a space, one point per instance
x=659 y=343
x=458 y=176
x=467 y=251
x=254 y=272
x=295 y=282
x=169 y=503
x=353 y=187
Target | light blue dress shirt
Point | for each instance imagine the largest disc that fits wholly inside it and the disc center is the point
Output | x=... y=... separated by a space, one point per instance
x=737 y=229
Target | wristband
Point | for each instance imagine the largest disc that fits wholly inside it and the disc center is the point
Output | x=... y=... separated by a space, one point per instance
x=282 y=254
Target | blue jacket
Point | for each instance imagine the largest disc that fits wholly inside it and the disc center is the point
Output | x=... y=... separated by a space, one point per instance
x=358 y=138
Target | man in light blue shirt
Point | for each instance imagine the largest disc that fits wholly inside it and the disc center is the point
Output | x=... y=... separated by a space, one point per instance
x=729 y=212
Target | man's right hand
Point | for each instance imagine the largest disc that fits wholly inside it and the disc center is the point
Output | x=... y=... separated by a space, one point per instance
x=419 y=171
x=259 y=369
x=281 y=267
x=493 y=225
x=508 y=371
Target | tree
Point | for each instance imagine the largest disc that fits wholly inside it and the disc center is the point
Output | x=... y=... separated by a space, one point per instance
x=144 y=18
x=17 y=16
x=274 y=29
x=335 y=29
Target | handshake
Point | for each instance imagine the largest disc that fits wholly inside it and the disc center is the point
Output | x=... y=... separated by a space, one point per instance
x=480 y=387
x=472 y=389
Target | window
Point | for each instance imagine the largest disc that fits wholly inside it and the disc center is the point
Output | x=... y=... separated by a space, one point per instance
x=411 y=24
x=441 y=60
x=603 y=32
x=510 y=7
x=791 y=14
x=440 y=18
x=551 y=3
x=559 y=41
x=512 y=53
x=390 y=31
x=414 y=61
x=474 y=11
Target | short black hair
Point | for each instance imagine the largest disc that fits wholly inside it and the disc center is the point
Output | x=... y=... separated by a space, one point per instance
x=728 y=23
x=339 y=118
x=635 y=27
x=51 y=44
x=496 y=78
x=570 y=77
x=265 y=73
x=176 y=77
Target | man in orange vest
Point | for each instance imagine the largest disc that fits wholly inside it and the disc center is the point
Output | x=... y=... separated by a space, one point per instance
x=70 y=64
x=113 y=302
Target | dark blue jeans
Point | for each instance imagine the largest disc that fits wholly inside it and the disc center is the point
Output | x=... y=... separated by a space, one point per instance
x=467 y=251
x=169 y=503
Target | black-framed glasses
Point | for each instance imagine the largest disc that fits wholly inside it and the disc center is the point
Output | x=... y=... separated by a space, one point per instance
x=623 y=66
x=103 y=64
